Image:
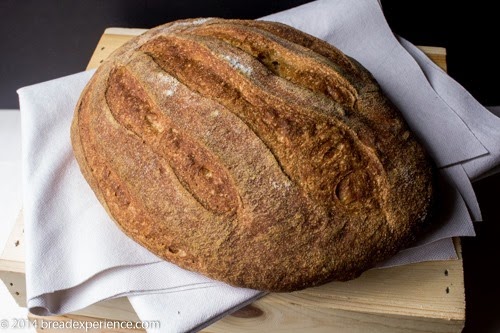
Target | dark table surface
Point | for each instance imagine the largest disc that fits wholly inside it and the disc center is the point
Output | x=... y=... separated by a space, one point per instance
x=42 y=40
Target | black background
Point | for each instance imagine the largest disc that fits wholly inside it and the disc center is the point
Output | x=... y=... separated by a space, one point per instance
x=41 y=40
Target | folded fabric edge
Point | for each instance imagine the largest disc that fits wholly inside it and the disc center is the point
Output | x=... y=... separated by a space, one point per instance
x=221 y=315
x=461 y=181
x=24 y=89
x=193 y=309
x=456 y=175
x=487 y=174
x=103 y=286
x=44 y=305
x=425 y=64
x=494 y=109
x=480 y=165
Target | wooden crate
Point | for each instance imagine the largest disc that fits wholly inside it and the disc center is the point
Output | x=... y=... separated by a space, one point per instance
x=423 y=297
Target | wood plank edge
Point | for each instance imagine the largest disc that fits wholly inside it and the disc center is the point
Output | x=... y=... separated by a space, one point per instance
x=432 y=50
x=12 y=266
x=124 y=31
x=339 y=320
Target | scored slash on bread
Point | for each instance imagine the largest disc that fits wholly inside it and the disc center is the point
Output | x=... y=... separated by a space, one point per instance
x=252 y=153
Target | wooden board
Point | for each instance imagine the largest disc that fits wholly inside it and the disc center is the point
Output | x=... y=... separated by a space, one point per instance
x=423 y=297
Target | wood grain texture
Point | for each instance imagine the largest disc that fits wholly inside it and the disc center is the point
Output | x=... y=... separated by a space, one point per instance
x=423 y=297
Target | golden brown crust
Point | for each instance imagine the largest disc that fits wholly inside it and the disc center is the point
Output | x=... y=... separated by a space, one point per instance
x=252 y=153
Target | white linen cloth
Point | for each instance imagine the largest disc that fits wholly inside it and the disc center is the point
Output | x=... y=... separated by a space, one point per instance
x=77 y=256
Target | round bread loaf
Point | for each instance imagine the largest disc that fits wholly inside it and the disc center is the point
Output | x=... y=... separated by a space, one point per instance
x=252 y=153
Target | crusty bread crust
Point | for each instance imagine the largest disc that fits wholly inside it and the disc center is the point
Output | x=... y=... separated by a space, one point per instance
x=252 y=153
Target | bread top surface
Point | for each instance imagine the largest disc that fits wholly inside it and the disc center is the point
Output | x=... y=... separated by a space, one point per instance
x=252 y=153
